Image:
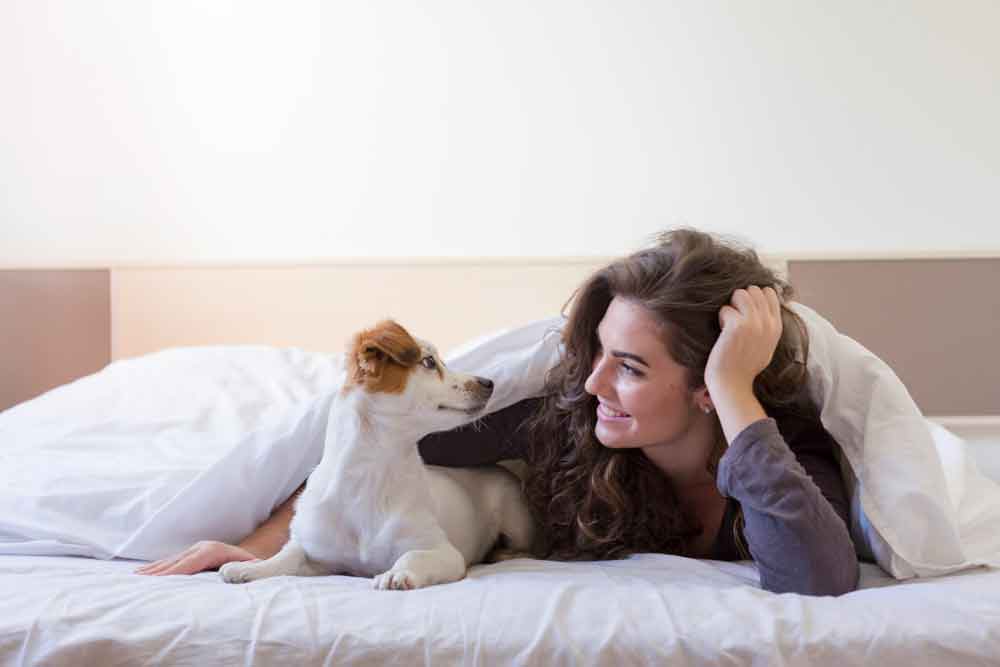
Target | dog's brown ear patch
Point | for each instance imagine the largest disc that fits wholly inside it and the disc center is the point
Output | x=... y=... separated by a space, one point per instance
x=379 y=359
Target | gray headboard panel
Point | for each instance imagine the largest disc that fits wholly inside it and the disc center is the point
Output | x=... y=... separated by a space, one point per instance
x=55 y=326
x=935 y=321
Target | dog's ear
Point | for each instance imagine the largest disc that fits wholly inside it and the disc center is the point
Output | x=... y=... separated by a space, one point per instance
x=384 y=345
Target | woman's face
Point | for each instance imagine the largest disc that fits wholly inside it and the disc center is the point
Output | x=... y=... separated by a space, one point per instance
x=642 y=393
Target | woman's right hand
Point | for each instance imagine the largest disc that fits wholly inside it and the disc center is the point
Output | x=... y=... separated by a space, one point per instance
x=201 y=556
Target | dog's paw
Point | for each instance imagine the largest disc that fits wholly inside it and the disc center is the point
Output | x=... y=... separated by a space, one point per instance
x=238 y=572
x=398 y=580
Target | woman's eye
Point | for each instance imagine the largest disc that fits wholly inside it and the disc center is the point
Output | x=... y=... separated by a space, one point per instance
x=631 y=370
x=428 y=363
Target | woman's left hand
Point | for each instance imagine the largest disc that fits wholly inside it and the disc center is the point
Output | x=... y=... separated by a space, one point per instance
x=751 y=329
x=205 y=555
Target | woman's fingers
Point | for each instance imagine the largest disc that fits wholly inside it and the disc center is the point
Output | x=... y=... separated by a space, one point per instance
x=750 y=305
x=164 y=566
x=773 y=301
x=742 y=301
x=158 y=566
x=762 y=299
x=756 y=304
x=202 y=556
x=774 y=309
x=194 y=559
x=728 y=316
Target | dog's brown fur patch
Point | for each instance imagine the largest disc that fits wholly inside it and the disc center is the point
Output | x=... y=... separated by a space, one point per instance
x=380 y=359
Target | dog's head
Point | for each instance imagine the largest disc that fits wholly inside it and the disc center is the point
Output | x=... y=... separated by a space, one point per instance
x=404 y=376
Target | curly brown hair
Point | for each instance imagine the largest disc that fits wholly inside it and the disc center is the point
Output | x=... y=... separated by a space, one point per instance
x=597 y=502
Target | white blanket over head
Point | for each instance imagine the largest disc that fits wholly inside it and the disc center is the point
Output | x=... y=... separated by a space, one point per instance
x=920 y=505
x=152 y=454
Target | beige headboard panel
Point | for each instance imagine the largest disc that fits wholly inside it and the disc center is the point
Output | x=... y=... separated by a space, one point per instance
x=936 y=322
x=320 y=307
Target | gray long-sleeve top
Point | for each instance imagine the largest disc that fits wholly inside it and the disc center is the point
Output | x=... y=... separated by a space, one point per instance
x=787 y=507
x=794 y=509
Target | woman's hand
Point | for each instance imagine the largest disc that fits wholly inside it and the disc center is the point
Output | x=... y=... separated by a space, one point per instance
x=198 y=557
x=751 y=329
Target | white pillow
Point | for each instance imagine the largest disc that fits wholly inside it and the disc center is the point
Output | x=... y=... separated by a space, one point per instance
x=151 y=454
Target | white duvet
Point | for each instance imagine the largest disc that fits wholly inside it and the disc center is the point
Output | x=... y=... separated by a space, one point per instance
x=152 y=454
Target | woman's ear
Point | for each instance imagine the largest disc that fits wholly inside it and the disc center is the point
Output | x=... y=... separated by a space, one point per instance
x=703 y=400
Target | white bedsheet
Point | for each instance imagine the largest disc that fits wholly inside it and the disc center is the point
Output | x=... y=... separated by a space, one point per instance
x=649 y=609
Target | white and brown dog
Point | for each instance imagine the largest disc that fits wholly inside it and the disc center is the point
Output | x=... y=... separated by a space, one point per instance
x=371 y=507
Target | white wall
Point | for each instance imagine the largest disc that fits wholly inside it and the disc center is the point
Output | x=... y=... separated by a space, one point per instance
x=172 y=131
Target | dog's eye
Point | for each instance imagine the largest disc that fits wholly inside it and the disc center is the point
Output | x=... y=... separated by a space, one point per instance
x=428 y=363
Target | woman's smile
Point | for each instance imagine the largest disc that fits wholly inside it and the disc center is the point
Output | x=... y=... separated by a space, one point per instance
x=642 y=393
x=606 y=413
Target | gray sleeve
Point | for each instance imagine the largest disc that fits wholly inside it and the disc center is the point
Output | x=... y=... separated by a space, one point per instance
x=496 y=437
x=799 y=542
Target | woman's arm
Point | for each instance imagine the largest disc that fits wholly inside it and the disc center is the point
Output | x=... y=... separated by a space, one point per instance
x=499 y=436
x=795 y=520
x=264 y=542
x=798 y=540
x=271 y=535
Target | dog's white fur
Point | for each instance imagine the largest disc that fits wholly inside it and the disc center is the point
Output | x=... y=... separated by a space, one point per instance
x=372 y=508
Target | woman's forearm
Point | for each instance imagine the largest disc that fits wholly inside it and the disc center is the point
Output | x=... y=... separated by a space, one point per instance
x=271 y=535
x=496 y=437
x=797 y=538
x=737 y=408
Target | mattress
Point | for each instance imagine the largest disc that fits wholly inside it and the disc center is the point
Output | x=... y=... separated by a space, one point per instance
x=647 y=609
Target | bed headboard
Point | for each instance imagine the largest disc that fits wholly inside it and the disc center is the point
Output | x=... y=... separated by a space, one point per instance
x=55 y=326
x=935 y=321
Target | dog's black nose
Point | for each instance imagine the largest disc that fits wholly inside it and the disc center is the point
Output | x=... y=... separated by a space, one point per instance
x=486 y=383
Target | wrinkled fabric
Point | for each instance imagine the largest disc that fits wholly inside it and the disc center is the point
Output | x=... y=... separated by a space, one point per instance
x=920 y=503
x=154 y=453
x=648 y=609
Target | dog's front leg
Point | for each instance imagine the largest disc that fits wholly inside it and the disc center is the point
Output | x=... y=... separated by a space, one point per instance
x=423 y=567
x=291 y=560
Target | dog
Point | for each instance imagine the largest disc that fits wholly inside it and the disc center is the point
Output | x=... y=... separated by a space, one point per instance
x=371 y=507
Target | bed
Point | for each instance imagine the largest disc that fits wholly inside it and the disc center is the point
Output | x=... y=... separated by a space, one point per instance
x=61 y=609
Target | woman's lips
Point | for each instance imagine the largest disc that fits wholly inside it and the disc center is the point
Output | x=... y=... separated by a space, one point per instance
x=610 y=414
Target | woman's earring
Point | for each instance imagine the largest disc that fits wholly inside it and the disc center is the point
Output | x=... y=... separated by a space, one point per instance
x=707 y=409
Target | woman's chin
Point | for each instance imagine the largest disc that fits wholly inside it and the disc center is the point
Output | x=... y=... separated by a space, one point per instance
x=610 y=437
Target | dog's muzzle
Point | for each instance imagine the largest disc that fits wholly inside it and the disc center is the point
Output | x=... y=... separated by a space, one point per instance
x=480 y=388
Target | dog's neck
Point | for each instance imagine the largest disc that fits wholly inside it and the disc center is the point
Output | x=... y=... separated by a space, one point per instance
x=369 y=425
x=366 y=448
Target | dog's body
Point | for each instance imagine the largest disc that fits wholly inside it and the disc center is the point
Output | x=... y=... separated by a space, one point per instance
x=372 y=508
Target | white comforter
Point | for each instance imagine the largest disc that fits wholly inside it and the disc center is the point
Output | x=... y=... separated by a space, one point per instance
x=154 y=453
x=649 y=609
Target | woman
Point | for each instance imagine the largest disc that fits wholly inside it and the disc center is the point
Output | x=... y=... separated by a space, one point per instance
x=677 y=421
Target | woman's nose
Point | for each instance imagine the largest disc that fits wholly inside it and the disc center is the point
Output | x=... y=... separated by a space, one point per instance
x=596 y=378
